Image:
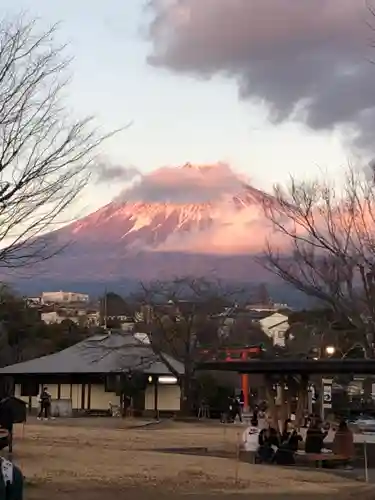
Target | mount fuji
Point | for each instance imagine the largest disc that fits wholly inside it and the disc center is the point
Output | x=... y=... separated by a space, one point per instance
x=189 y=220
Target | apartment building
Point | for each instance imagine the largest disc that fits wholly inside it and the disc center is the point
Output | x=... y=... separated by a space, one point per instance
x=64 y=297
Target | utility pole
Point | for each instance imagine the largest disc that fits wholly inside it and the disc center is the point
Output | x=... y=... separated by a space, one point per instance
x=105 y=309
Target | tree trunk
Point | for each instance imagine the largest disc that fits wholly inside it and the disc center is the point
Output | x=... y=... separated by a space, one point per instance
x=284 y=403
x=302 y=394
x=270 y=398
x=186 y=391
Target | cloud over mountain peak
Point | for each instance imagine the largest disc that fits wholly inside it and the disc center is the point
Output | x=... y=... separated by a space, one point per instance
x=188 y=184
x=307 y=60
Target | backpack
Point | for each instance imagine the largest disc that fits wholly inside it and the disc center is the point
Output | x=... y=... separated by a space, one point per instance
x=45 y=397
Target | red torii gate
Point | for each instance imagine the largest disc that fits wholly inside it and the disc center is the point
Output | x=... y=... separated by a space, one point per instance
x=232 y=355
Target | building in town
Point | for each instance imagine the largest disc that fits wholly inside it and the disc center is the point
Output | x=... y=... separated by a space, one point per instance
x=275 y=326
x=86 y=376
x=83 y=317
x=63 y=297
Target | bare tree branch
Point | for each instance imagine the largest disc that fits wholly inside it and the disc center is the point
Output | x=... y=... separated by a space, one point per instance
x=182 y=311
x=328 y=249
x=45 y=154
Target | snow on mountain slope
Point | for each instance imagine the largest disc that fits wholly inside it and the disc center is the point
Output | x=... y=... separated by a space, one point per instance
x=232 y=223
x=191 y=210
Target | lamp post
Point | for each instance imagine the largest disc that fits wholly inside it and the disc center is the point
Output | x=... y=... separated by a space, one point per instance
x=154 y=381
x=330 y=350
x=326 y=388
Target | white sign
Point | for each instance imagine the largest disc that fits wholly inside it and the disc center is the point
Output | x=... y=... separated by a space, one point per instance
x=327 y=396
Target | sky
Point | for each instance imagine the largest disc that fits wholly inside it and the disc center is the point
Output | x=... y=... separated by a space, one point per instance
x=270 y=87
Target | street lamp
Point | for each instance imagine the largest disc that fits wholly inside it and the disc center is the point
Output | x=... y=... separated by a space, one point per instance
x=330 y=350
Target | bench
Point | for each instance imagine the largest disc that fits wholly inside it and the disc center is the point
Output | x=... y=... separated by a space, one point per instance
x=319 y=458
x=95 y=413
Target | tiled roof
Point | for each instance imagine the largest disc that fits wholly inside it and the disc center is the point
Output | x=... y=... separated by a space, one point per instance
x=110 y=353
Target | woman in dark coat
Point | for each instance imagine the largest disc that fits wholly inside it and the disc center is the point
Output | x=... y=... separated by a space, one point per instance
x=315 y=437
x=343 y=443
x=289 y=441
x=268 y=443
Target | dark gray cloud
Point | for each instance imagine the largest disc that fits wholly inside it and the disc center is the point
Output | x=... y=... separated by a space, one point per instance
x=107 y=172
x=186 y=184
x=306 y=59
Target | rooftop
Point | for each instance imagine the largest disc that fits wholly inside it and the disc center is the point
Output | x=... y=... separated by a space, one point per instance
x=101 y=354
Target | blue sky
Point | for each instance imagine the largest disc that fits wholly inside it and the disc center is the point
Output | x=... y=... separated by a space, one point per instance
x=176 y=118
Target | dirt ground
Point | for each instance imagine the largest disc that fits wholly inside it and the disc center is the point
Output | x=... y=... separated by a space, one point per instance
x=92 y=459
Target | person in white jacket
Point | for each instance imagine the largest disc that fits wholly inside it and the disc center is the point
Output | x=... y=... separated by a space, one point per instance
x=250 y=438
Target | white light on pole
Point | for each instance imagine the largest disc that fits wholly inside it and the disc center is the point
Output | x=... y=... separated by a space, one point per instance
x=167 y=380
x=330 y=350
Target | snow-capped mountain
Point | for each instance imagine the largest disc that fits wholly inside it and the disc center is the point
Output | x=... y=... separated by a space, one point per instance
x=187 y=220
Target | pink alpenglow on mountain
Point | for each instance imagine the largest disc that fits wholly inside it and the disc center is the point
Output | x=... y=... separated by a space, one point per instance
x=181 y=220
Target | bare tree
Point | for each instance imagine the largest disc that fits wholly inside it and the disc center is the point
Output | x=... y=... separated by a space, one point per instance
x=327 y=246
x=183 y=311
x=45 y=154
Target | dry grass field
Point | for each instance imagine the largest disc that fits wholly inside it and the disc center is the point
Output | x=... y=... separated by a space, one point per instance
x=92 y=459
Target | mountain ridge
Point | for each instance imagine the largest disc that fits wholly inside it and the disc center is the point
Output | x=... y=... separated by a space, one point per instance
x=174 y=221
x=163 y=226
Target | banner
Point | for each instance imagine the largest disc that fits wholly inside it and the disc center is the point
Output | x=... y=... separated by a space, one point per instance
x=327 y=396
x=314 y=397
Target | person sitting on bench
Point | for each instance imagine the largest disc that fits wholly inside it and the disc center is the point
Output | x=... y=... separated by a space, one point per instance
x=268 y=444
x=343 y=444
x=289 y=441
x=315 y=437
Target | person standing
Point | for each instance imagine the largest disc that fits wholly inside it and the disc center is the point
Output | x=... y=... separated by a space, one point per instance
x=237 y=409
x=242 y=402
x=45 y=404
x=254 y=417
